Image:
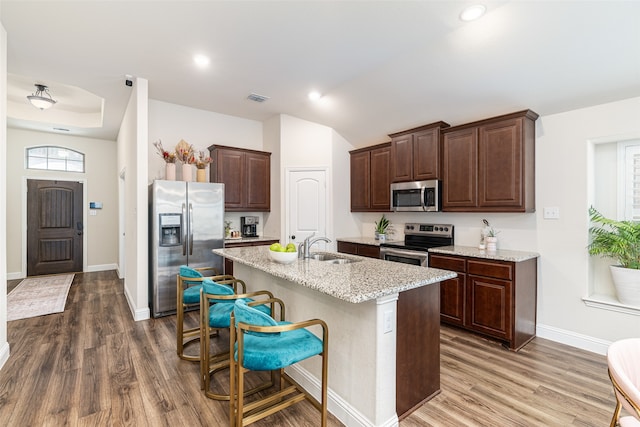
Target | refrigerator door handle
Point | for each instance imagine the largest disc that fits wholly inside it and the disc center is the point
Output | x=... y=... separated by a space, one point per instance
x=184 y=230
x=190 y=229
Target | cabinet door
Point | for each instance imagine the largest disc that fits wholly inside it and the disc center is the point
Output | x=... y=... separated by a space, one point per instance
x=490 y=306
x=426 y=154
x=500 y=167
x=380 y=179
x=402 y=158
x=360 y=177
x=460 y=165
x=452 y=300
x=258 y=181
x=229 y=169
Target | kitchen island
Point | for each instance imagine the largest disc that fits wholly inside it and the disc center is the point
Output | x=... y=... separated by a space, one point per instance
x=383 y=318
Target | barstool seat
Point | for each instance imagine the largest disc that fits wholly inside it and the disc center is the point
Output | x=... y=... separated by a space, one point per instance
x=263 y=344
x=217 y=302
x=188 y=284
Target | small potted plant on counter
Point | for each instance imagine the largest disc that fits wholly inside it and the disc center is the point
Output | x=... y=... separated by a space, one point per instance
x=381 y=228
x=619 y=240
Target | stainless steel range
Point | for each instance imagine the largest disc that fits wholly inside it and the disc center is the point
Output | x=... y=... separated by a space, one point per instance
x=418 y=239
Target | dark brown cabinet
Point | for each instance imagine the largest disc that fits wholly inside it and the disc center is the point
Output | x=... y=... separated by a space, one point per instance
x=494 y=298
x=228 y=264
x=246 y=175
x=370 y=179
x=371 y=251
x=415 y=153
x=489 y=166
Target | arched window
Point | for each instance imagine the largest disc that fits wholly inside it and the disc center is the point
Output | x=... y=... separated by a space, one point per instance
x=55 y=159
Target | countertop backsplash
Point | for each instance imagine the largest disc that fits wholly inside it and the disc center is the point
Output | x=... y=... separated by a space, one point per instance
x=517 y=230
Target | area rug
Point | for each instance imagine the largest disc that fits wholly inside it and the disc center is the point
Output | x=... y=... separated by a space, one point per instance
x=38 y=296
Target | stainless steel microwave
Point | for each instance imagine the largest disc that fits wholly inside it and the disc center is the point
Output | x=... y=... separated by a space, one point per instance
x=416 y=196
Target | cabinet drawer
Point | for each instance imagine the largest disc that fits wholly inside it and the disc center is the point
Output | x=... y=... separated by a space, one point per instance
x=348 y=248
x=369 y=251
x=447 y=263
x=490 y=269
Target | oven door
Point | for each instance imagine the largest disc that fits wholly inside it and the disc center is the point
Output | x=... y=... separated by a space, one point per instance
x=405 y=256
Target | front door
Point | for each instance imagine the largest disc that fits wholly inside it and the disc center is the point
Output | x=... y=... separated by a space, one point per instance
x=54 y=227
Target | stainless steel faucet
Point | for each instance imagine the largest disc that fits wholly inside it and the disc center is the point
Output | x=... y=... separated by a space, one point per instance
x=303 y=248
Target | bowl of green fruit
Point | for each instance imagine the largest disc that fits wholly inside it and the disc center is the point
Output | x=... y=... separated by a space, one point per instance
x=283 y=254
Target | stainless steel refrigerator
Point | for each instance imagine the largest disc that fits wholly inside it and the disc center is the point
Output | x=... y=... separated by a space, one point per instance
x=186 y=221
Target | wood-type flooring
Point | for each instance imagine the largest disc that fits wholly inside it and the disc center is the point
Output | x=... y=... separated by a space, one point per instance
x=94 y=366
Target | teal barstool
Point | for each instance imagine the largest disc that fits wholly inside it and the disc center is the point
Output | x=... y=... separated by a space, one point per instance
x=216 y=304
x=263 y=344
x=189 y=281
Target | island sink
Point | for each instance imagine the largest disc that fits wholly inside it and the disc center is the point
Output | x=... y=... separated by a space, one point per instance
x=332 y=259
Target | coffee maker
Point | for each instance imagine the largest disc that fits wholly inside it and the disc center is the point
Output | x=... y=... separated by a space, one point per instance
x=249 y=226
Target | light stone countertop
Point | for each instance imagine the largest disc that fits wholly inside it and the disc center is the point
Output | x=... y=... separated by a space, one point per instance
x=472 y=251
x=366 y=240
x=356 y=282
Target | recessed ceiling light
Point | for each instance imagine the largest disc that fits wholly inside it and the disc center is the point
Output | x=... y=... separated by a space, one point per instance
x=472 y=13
x=201 y=60
x=314 y=96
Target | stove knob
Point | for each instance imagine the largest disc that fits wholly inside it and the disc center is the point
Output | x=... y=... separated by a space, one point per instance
x=446 y=229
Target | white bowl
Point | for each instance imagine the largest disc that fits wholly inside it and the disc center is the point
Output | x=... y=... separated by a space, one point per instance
x=283 y=257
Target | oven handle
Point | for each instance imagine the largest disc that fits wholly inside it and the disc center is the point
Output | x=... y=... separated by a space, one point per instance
x=413 y=254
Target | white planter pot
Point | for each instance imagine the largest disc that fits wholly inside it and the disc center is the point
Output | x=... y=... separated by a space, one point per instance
x=492 y=243
x=627 y=284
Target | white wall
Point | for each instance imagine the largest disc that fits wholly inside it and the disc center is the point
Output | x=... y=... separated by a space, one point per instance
x=271 y=138
x=133 y=153
x=305 y=144
x=4 y=344
x=101 y=186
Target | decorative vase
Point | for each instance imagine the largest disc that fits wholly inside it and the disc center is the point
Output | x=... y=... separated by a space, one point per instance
x=627 y=284
x=187 y=175
x=201 y=175
x=170 y=172
x=491 y=243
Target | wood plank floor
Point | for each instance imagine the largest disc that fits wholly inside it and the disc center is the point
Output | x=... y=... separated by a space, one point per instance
x=93 y=366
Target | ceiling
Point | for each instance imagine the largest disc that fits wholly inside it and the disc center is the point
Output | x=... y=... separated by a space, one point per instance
x=382 y=66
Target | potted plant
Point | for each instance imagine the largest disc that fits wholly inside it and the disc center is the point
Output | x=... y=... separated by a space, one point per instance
x=619 y=240
x=381 y=228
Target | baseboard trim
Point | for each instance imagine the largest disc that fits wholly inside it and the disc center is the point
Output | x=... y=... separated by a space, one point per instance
x=138 y=314
x=90 y=269
x=5 y=352
x=101 y=267
x=574 y=339
x=337 y=406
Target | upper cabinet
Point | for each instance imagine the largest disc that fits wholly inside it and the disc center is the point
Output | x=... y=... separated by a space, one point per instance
x=370 y=185
x=246 y=175
x=415 y=153
x=489 y=165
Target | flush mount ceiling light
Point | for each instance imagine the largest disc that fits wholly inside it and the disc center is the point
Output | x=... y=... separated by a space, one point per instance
x=314 y=96
x=472 y=13
x=38 y=99
x=201 y=60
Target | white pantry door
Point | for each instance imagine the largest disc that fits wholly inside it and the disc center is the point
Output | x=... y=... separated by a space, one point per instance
x=307 y=210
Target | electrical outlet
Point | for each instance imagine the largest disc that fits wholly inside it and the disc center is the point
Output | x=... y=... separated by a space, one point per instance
x=551 y=213
x=388 y=322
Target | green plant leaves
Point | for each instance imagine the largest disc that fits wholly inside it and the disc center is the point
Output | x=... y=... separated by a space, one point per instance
x=615 y=239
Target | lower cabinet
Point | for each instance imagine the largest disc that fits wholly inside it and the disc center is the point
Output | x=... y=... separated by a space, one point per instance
x=494 y=298
x=371 y=251
x=228 y=264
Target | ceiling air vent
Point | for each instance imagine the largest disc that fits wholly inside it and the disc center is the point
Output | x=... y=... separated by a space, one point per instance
x=257 y=98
